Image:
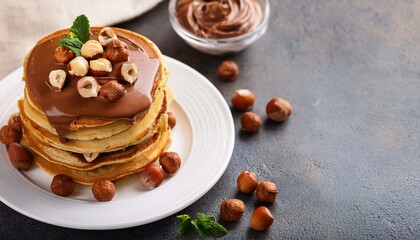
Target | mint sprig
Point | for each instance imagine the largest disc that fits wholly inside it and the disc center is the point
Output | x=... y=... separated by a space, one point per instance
x=79 y=34
x=204 y=225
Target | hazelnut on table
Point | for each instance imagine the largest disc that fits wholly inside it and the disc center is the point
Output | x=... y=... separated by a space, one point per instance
x=251 y=122
x=278 y=109
x=228 y=70
x=267 y=191
x=247 y=181
x=232 y=210
x=243 y=99
x=261 y=219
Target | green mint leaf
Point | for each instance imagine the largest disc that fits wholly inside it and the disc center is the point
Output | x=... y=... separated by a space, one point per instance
x=73 y=44
x=80 y=29
x=185 y=226
x=209 y=226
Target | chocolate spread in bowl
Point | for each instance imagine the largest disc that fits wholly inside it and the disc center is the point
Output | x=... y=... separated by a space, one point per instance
x=64 y=107
x=219 y=18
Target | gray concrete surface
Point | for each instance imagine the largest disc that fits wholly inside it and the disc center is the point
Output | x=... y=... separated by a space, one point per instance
x=346 y=162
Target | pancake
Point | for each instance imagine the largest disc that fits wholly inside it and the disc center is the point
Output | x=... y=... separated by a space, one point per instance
x=93 y=138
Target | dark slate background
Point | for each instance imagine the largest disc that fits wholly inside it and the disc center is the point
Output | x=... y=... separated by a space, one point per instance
x=347 y=160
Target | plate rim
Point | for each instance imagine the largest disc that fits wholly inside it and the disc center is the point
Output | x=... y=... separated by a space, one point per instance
x=228 y=151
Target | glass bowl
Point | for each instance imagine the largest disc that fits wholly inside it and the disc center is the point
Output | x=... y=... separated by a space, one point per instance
x=220 y=46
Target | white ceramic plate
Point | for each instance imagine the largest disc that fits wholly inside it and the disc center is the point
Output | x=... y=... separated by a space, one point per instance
x=204 y=138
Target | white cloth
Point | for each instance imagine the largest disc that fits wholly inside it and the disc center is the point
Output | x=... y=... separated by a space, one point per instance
x=23 y=22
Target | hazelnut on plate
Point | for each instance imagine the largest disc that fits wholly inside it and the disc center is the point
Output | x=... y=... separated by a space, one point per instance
x=20 y=156
x=228 y=70
x=62 y=185
x=170 y=162
x=171 y=119
x=9 y=135
x=232 y=210
x=103 y=190
x=151 y=177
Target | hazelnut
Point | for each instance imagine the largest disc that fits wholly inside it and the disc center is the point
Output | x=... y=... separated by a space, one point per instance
x=62 y=185
x=20 y=156
x=247 y=181
x=171 y=119
x=243 y=99
x=106 y=35
x=100 y=67
x=103 y=190
x=92 y=49
x=57 y=78
x=116 y=51
x=112 y=91
x=261 y=219
x=10 y=135
x=170 y=162
x=78 y=67
x=63 y=55
x=267 y=191
x=278 y=109
x=232 y=210
x=15 y=122
x=151 y=177
x=89 y=157
x=228 y=70
x=128 y=72
x=88 y=87
x=251 y=122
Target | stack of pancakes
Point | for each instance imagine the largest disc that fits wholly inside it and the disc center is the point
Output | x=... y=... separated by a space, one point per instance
x=124 y=145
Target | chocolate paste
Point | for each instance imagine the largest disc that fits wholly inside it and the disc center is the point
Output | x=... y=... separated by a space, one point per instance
x=64 y=107
x=219 y=18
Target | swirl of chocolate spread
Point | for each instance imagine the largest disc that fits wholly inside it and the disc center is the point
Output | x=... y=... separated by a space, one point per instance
x=219 y=18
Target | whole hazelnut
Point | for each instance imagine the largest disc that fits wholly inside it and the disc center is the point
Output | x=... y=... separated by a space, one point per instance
x=228 y=70
x=112 y=91
x=243 y=99
x=232 y=210
x=171 y=119
x=151 y=177
x=78 y=67
x=9 y=135
x=278 y=109
x=267 y=191
x=62 y=185
x=170 y=162
x=63 y=55
x=92 y=49
x=116 y=51
x=261 y=219
x=103 y=190
x=20 y=156
x=15 y=122
x=247 y=181
x=251 y=122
